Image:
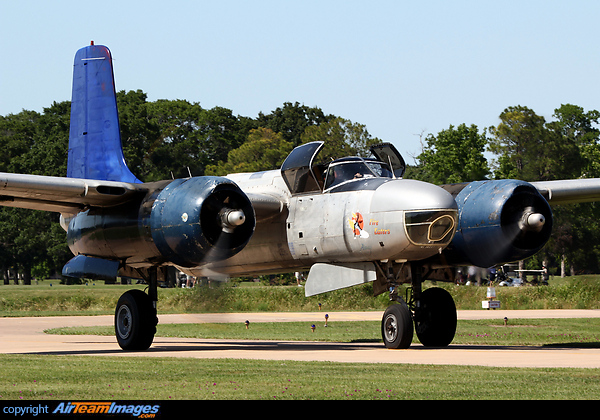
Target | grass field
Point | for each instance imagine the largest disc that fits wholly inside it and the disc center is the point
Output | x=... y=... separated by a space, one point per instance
x=529 y=332
x=73 y=377
x=50 y=298
x=122 y=378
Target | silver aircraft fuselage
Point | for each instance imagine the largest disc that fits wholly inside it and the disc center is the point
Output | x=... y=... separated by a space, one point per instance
x=360 y=220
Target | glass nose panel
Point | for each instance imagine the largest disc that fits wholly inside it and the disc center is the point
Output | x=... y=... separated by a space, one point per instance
x=440 y=227
x=430 y=226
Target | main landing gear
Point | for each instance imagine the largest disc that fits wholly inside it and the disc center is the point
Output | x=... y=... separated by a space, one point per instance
x=135 y=316
x=432 y=311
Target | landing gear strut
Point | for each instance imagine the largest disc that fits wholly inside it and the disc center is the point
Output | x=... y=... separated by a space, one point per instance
x=433 y=312
x=135 y=316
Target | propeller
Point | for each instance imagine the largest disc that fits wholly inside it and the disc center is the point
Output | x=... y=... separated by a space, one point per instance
x=224 y=215
x=532 y=221
x=230 y=219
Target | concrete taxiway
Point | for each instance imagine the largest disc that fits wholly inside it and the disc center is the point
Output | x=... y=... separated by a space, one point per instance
x=26 y=336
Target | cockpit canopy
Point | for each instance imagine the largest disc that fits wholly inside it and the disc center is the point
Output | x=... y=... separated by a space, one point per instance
x=349 y=169
x=303 y=175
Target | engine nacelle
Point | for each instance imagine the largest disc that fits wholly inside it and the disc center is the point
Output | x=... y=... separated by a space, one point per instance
x=199 y=220
x=498 y=222
x=187 y=222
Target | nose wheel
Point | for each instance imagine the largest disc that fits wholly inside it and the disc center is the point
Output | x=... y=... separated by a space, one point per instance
x=397 y=327
x=432 y=312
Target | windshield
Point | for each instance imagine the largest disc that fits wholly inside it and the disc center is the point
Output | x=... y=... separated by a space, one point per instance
x=339 y=172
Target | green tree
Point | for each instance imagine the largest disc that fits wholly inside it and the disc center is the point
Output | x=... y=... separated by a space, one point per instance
x=17 y=132
x=342 y=138
x=531 y=150
x=291 y=120
x=454 y=155
x=140 y=135
x=191 y=137
x=581 y=128
x=36 y=144
x=264 y=150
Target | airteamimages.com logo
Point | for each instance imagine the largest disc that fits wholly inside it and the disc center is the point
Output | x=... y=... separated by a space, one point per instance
x=87 y=408
x=142 y=411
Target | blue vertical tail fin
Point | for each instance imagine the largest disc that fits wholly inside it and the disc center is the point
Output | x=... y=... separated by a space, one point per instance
x=95 y=150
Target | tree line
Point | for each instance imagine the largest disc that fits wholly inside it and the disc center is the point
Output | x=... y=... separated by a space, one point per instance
x=174 y=138
x=528 y=147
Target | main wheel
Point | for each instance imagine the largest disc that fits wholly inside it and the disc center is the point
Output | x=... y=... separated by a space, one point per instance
x=436 y=321
x=135 y=321
x=397 y=327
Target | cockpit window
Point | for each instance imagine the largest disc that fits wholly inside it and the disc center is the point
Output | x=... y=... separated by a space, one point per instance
x=380 y=169
x=339 y=172
x=304 y=175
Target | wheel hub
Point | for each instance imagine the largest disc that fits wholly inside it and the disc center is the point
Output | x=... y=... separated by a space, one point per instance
x=124 y=322
x=391 y=328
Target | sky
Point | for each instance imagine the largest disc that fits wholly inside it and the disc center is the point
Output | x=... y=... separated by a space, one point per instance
x=403 y=69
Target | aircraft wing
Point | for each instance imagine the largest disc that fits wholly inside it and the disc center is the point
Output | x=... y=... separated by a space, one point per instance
x=64 y=195
x=569 y=190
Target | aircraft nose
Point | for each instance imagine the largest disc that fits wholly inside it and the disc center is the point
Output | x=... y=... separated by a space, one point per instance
x=423 y=217
x=409 y=194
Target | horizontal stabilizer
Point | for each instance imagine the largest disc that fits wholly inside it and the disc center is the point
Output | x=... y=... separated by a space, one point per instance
x=327 y=277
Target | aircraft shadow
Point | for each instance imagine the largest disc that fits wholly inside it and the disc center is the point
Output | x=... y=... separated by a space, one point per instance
x=162 y=346
x=183 y=346
x=267 y=345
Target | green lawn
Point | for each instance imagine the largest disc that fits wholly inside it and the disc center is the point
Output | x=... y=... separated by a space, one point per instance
x=34 y=377
x=531 y=332
x=121 y=378
x=49 y=298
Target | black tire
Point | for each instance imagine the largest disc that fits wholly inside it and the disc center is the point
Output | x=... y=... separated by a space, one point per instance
x=436 y=323
x=397 y=327
x=135 y=321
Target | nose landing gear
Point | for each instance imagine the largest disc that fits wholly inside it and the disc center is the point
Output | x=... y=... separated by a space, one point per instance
x=432 y=311
x=397 y=326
